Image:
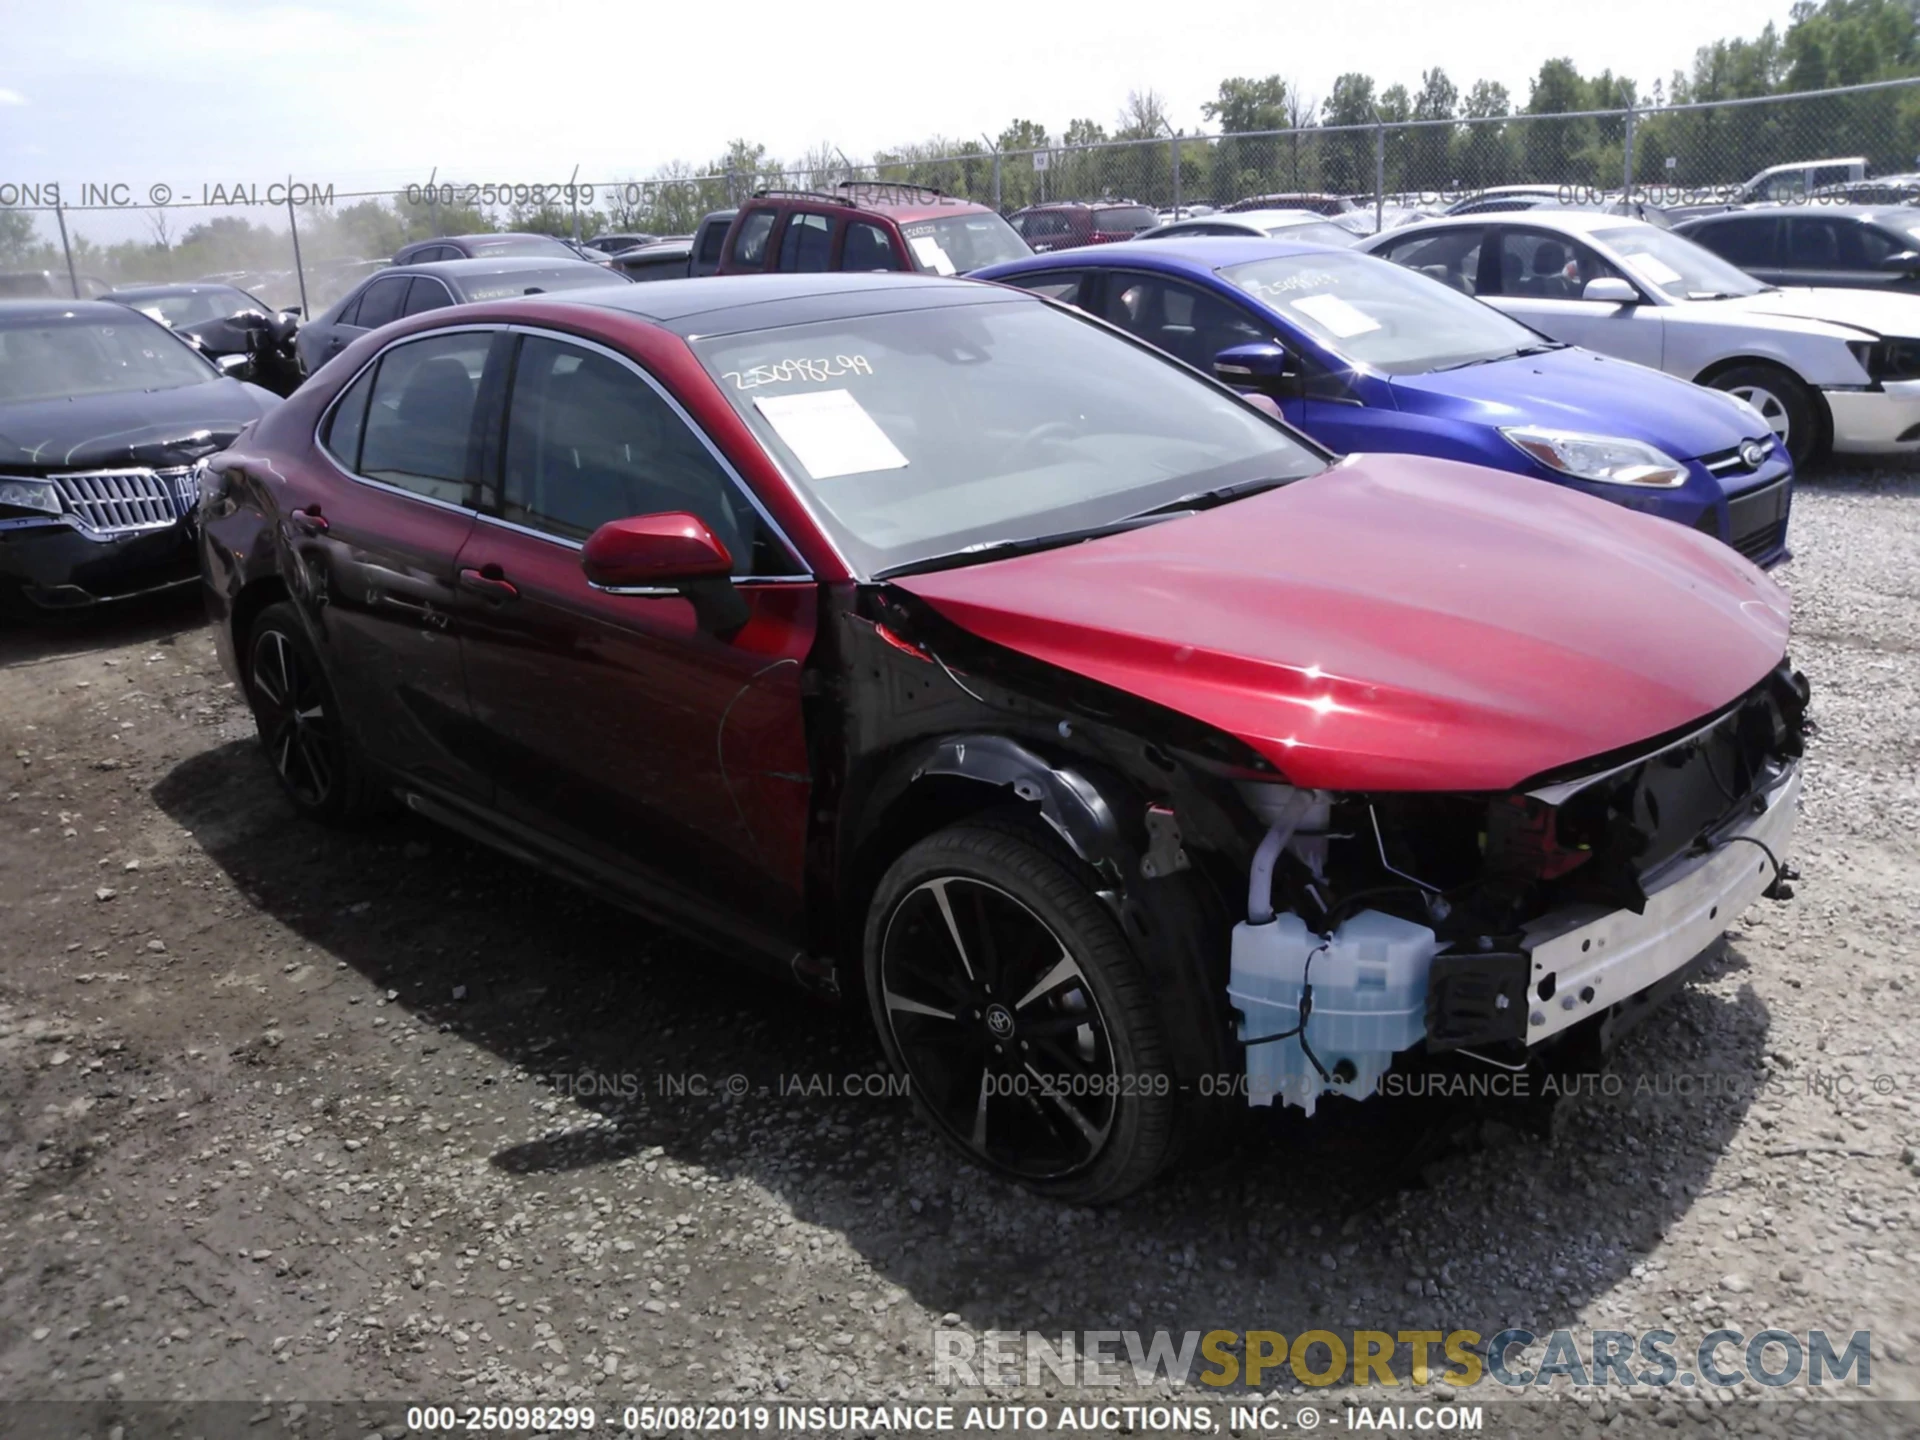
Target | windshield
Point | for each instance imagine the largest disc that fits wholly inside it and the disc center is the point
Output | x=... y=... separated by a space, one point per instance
x=57 y=357
x=923 y=432
x=1675 y=265
x=1375 y=313
x=197 y=307
x=957 y=244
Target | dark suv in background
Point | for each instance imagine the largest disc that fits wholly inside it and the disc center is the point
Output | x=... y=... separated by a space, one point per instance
x=1863 y=247
x=1061 y=225
x=400 y=290
x=867 y=225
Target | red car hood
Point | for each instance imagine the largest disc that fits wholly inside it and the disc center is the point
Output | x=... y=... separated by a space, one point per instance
x=1397 y=623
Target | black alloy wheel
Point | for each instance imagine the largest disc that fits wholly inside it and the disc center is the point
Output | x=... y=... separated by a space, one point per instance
x=298 y=720
x=1007 y=995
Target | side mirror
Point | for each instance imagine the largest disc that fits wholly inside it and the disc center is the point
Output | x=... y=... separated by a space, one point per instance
x=1611 y=290
x=655 y=553
x=234 y=365
x=1907 y=262
x=1262 y=366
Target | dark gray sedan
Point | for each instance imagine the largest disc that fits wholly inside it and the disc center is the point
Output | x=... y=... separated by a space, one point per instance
x=1860 y=247
x=408 y=289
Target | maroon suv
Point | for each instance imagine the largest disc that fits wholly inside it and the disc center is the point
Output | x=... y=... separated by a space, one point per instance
x=1065 y=224
x=866 y=225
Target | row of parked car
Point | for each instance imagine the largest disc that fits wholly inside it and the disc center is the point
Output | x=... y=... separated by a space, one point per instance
x=1186 y=657
x=1359 y=357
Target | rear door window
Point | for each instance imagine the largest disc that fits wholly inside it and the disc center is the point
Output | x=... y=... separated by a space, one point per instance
x=382 y=301
x=750 y=243
x=426 y=294
x=419 y=427
x=348 y=420
x=807 y=242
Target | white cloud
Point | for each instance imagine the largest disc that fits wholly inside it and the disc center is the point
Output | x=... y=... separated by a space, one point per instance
x=11 y=97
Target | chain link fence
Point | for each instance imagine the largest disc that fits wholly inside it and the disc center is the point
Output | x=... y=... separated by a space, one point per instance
x=295 y=242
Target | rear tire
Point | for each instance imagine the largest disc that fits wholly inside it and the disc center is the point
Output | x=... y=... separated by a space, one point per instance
x=1784 y=402
x=1002 y=987
x=300 y=724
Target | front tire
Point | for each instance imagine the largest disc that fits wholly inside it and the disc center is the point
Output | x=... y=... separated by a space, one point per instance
x=1784 y=402
x=300 y=724
x=1005 y=992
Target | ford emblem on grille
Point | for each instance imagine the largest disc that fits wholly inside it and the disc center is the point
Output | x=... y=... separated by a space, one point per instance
x=1752 y=453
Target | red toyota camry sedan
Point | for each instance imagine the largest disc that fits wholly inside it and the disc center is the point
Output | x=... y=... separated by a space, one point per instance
x=1129 y=757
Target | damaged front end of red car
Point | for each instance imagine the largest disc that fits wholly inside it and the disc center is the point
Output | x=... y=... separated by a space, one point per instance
x=1492 y=925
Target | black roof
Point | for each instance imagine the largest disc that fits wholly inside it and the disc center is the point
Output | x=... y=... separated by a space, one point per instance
x=468 y=268
x=728 y=304
x=104 y=311
x=484 y=236
x=184 y=287
x=1898 y=214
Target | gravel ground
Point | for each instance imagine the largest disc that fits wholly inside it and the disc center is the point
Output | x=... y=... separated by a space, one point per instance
x=286 y=1114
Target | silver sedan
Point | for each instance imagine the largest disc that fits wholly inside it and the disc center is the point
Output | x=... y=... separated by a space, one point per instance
x=1826 y=369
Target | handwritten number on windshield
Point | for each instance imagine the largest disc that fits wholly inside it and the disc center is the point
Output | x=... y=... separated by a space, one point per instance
x=824 y=368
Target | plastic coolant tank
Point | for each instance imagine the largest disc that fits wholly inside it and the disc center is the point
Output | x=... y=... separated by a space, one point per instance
x=1369 y=1001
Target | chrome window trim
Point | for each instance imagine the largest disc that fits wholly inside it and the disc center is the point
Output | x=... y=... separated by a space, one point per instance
x=326 y=417
x=698 y=432
x=565 y=543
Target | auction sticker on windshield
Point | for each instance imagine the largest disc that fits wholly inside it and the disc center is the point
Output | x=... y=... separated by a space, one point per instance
x=830 y=433
x=1340 y=317
x=927 y=251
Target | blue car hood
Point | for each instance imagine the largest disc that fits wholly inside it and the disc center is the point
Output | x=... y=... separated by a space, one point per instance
x=1574 y=389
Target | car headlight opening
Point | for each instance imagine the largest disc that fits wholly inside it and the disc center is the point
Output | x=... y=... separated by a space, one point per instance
x=1609 y=459
x=36 y=495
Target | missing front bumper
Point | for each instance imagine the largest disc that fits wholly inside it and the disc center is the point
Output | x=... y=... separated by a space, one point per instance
x=1586 y=962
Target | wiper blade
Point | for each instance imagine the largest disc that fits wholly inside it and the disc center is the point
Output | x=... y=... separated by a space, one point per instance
x=1207 y=499
x=1005 y=549
x=1542 y=348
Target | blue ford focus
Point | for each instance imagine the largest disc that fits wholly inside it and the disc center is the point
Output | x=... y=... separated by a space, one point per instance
x=1365 y=355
